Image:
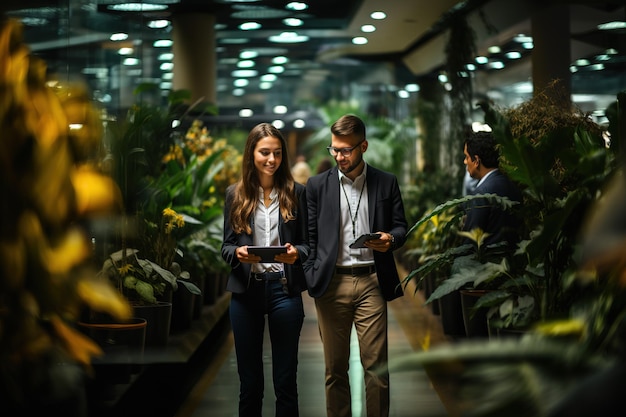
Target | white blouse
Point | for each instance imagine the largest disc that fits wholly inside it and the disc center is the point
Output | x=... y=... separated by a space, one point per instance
x=265 y=229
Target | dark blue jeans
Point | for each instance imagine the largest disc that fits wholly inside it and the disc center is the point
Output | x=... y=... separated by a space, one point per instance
x=285 y=316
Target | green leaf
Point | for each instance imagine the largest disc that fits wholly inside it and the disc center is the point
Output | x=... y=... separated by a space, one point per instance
x=191 y=287
x=553 y=226
x=130 y=282
x=437 y=262
x=470 y=272
x=145 y=291
x=504 y=202
x=166 y=275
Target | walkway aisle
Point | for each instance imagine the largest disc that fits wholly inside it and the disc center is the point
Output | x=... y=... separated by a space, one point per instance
x=412 y=394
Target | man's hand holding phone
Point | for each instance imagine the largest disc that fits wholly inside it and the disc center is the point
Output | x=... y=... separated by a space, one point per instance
x=360 y=241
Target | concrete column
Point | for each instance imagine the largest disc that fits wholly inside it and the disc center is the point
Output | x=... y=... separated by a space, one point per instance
x=551 y=55
x=195 y=55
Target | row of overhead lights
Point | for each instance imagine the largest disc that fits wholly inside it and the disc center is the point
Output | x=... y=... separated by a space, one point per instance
x=244 y=65
x=495 y=61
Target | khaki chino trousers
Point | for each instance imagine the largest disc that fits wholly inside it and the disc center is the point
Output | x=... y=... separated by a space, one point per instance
x=354 y=300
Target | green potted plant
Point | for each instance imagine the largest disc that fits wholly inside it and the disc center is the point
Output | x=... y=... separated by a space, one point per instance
x=174 y=187
x=571 y=355
x=199 y=169
x=138 y=256
x=560 y=161
x=457 y=266
x=149 y=281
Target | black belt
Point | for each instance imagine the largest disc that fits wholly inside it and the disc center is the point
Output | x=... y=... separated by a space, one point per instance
x=267 y=276
x=355 y=270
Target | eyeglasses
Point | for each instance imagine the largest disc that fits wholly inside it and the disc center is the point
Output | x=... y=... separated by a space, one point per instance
x=345 y=152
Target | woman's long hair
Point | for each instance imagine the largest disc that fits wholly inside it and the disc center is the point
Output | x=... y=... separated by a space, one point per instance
x=246 y=191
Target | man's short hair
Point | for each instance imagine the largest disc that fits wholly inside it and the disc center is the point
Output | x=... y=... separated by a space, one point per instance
x=485 y=146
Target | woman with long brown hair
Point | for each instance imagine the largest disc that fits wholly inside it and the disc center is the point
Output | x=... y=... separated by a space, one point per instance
x=266 y=207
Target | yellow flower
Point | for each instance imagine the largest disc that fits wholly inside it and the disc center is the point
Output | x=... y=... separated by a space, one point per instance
x=168 y=213
x=172 y=220
x=175 y=154
x=125 y=269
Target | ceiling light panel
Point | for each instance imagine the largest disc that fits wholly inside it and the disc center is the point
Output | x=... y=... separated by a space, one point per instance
x=254 y=13
x=293 y=22
x=297 y=6
x=137 y=7
x=250 y=26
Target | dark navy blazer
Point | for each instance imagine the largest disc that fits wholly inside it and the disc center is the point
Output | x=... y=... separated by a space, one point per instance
x=294 y=232
x=490 y=217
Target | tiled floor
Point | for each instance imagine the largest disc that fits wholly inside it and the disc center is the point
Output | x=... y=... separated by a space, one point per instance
x=410 y=326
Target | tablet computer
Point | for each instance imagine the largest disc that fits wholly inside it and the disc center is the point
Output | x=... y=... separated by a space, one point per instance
x=267 y=253
x=358 y=243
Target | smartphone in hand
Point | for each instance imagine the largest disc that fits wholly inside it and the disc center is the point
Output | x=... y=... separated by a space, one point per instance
x=359 y=242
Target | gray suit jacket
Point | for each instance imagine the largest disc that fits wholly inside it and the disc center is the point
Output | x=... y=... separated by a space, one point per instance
x=386 y=213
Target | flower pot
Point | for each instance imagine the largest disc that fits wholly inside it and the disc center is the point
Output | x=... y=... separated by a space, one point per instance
x=183 y=302
x=474 y=321
x=123 y=345
x=510 y=333
x=451 y=314
x=214 y=287
x=159 y=318
x=122 y=339
x=199 y=299
x=430 y=284
x=210 y=288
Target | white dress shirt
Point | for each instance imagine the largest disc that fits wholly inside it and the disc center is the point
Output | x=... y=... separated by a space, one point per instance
x=354 y=217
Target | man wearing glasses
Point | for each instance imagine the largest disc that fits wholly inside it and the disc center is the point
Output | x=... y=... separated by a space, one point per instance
x=351 y=286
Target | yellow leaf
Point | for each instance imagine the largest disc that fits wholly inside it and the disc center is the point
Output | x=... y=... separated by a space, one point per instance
x=426 y=341
x=571 y=327
x=79 y=346
x=435 y=220
x=101 y=296
x=67 y=253
x=46 y=118
x=476 y=234
x=13 y=262
x=71 y=251
x=95 y=193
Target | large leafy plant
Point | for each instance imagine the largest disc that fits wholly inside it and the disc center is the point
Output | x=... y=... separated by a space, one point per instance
x=559 y=366
x=146 y=280
x=51 y=187
x=559 y=159
x=459 y=264
x=178 y=202
x=197 y=170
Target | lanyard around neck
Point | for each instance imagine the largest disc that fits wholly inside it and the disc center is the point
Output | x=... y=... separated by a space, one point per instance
x=353 y=219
